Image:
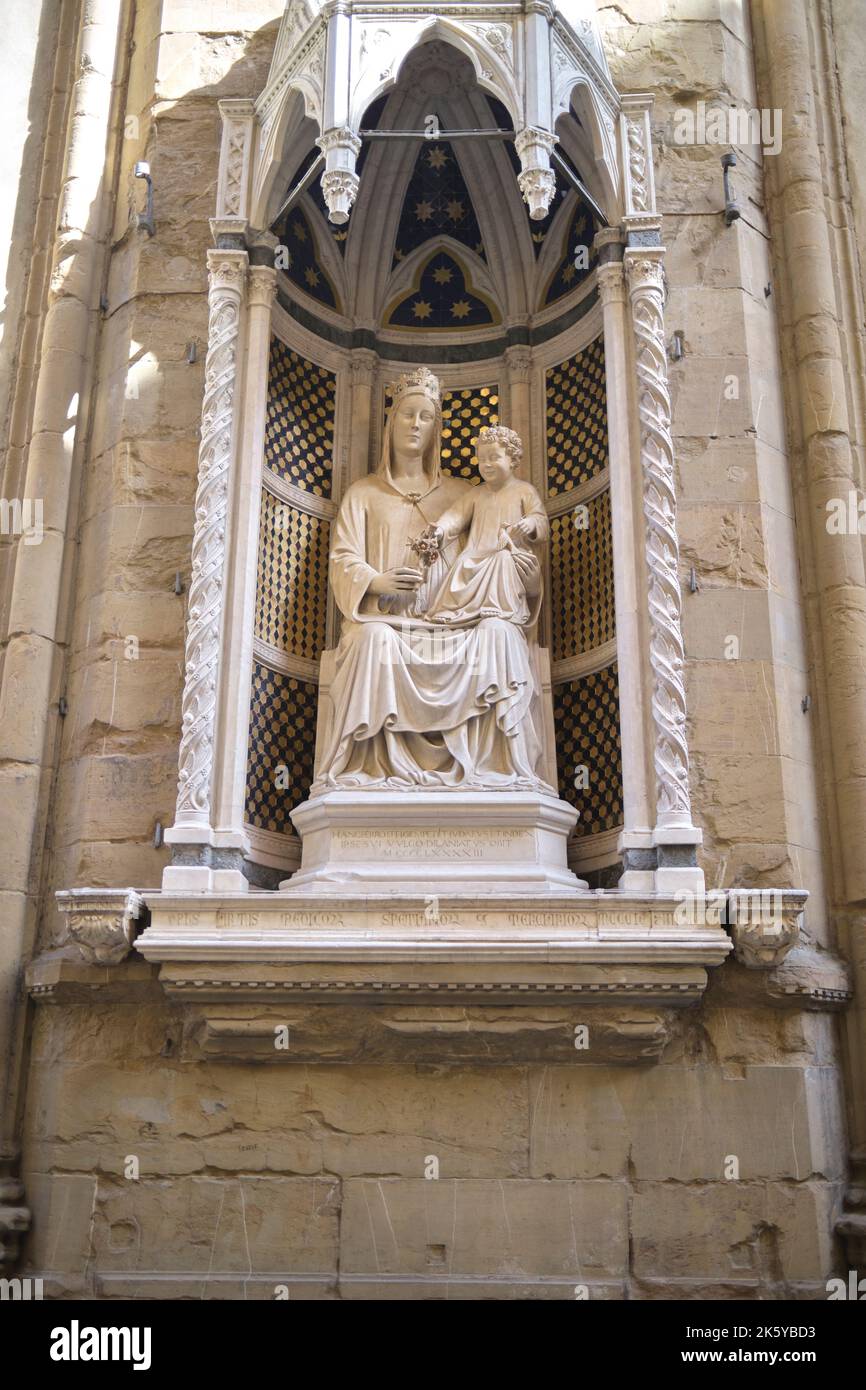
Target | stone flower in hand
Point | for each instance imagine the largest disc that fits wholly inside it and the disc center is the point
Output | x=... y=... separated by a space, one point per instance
x=427 y=546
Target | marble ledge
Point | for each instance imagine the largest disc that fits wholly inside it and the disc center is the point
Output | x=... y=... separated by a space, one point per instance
x=592 y=945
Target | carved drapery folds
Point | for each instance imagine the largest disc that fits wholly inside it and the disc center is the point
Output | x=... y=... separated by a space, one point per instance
x=671 y=757
x=227 y=270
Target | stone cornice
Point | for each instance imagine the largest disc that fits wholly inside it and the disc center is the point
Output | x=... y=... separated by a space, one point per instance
x=454 y=977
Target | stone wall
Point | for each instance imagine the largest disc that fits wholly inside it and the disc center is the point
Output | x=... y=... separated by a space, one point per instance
x=753 y=784
x=30 y=42
x=256 y=1176
x=118 y=773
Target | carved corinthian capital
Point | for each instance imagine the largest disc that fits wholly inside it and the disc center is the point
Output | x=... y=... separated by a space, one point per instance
x=611 y=283
x=228 y=270
x=518 y=360
x=262 y=286
x=646 y=290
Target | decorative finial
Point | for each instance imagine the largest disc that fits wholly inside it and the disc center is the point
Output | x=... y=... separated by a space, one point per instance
x=422 y=379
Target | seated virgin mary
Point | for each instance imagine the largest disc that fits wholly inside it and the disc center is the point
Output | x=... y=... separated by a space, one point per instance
x=412 y=703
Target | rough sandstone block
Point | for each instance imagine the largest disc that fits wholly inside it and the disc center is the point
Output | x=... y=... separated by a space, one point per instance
x=224 y=1225
x=505 y=1230
x=681 y=1123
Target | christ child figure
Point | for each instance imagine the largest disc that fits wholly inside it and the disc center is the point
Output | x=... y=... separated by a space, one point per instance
x=498 y=574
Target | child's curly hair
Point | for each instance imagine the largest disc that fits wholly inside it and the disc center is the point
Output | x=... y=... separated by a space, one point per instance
x=509 y=439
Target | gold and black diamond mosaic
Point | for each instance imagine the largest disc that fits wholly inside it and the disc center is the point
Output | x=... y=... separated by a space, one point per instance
x=464 y=414
x=292 y=582
x=581 y=579
x=281 y=749
x=299 y=432
x=588 y=754
x=577 y=446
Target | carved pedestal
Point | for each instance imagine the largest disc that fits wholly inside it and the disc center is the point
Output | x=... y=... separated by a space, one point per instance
x=437 y=842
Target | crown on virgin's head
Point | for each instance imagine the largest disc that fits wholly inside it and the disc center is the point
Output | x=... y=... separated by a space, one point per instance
x=420 y=380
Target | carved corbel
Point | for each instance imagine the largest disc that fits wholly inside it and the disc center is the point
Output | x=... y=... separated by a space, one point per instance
x=341 y=148
x=764 y=926
x=15 y=1217
x=101 y=924
x=536 y=179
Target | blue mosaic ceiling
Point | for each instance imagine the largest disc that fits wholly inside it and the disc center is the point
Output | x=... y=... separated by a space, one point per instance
x=442 y=297
x=578 y=257
x=437 y=203
x=304 y=268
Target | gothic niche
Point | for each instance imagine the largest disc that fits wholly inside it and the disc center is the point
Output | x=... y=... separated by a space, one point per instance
x=441 y=263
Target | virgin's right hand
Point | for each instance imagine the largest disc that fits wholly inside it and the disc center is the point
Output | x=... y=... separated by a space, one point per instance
x=397 y=581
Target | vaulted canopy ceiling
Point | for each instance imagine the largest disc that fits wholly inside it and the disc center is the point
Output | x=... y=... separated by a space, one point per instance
x=440 y=237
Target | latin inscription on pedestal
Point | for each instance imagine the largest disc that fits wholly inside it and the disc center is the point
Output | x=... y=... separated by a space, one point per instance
x=437 y=843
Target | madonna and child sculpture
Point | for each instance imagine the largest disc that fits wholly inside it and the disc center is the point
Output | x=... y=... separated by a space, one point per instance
x=433 y=762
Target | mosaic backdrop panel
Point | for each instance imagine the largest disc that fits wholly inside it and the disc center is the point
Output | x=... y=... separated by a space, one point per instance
x=581 y=579
x=291 y=588
x=292 y=584
x=577 y=447
x=588 y=755
x=281 y=749
x=464 y=414
x=299 y=429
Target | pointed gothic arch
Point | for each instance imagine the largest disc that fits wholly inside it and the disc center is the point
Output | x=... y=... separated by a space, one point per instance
x=491 y=72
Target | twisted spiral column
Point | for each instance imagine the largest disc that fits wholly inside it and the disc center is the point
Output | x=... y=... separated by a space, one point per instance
x=670 y=755
x=227 y=281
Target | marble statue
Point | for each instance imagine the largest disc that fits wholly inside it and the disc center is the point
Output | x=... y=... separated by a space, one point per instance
x=497 y=575
x=434 y=681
